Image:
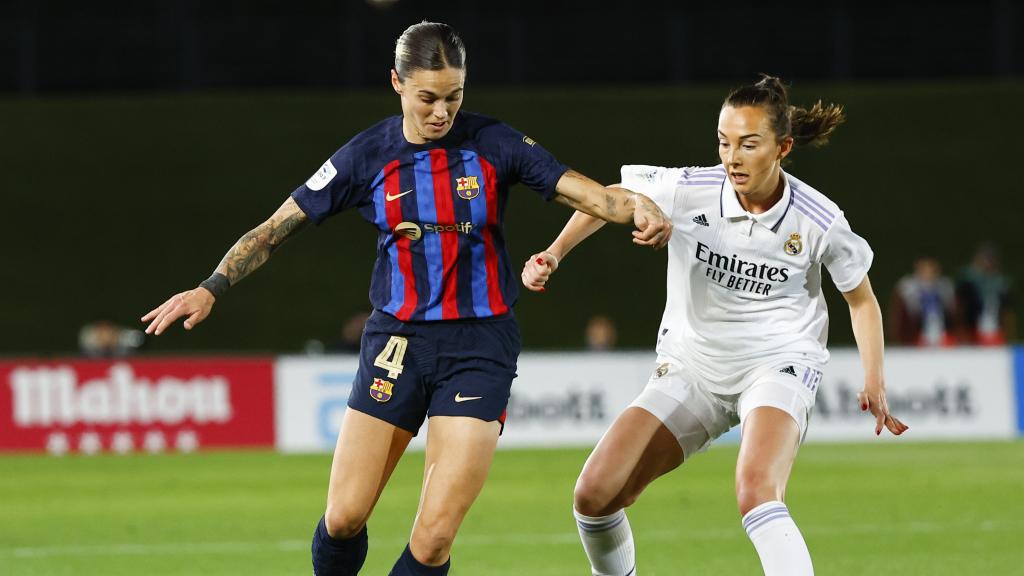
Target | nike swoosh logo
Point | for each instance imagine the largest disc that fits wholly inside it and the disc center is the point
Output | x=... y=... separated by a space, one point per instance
x=460 y=398
x=388 y=197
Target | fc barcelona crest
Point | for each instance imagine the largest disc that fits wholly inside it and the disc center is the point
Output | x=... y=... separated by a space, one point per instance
x=793 y=246
x=467 y=187
x=380 y=390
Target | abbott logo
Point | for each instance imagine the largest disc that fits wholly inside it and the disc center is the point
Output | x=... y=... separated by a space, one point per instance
x=48 y=396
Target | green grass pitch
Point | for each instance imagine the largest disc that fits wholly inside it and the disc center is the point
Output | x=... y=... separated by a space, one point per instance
x=893 y=508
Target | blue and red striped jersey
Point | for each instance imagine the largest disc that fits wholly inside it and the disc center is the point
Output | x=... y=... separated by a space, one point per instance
x=439 y=210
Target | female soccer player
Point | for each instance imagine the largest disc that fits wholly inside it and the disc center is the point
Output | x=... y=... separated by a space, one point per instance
x=744 y=330
x=442 y=341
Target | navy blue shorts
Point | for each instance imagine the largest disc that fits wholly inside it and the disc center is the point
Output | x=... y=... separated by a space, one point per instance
x=411 y=370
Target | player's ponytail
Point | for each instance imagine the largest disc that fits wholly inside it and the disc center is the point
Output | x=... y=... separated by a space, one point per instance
x=428 y=46
x=807 y=126
x=813 y=127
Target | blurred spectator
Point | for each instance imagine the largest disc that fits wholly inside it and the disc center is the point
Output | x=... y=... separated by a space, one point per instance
x=923 y=306
x=351 y=334
x=105 y=339
x=600 y=333
x=983 y=296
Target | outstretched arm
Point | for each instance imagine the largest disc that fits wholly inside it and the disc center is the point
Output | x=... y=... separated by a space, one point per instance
x=539 y=267
x=867 y=330
x=255 y=247
x=615 y=204
x=249 y=253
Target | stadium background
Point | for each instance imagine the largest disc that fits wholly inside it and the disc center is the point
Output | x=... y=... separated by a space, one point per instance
x=139 y=140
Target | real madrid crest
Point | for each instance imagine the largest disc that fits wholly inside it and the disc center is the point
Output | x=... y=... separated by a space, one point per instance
x=661 y=371
x=794 y=245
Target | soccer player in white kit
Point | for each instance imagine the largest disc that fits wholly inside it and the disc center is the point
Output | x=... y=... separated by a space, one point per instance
x=743 y=336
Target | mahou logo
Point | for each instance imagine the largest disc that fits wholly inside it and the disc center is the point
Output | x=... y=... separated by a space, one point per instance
x=46 y=396
x=96 y=406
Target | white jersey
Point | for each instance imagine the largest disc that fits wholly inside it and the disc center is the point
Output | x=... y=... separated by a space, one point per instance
x=745 y=289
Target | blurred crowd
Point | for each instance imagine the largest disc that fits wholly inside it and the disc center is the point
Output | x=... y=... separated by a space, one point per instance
x=929 y=308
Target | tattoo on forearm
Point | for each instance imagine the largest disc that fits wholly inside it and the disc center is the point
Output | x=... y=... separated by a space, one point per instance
x=570 y=202
x=611 y=205
x=254 y=248
x=591 y=204
x=281 y=231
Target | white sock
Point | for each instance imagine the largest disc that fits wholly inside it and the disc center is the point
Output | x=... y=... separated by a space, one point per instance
x=608 y=542
x=778 y=541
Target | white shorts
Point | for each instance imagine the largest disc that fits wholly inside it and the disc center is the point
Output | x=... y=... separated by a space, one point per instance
x=697 y=416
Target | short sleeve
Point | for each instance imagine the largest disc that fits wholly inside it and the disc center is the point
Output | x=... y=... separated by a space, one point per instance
x=846 y=255
x=528 y=162
x=655 y=182
x=336 y=186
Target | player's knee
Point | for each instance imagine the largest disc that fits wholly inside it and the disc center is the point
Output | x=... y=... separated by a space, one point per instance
x=592 y=497
x=432 y=541
x=755 y=487
x=342 y=522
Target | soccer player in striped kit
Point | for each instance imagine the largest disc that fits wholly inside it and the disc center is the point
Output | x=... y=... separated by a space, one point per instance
x=441 y=342
x=743 y=336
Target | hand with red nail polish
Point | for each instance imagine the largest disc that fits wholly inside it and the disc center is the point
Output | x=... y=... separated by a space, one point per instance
x=538 y=269
x=872 y=398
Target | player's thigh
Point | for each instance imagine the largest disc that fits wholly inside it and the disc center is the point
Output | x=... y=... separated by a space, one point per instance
x=459 y=454
x=774 y=414
x=394 y=372
x=385 y=409
x=673 y=418
x=476 y=365
x=635 y=450
x=366 y=453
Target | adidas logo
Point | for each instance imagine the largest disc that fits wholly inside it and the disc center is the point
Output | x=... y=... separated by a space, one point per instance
x=702 y=220
x=788 y=370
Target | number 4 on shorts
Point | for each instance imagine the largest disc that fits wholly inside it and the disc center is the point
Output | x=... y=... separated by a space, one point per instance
x=391 y=357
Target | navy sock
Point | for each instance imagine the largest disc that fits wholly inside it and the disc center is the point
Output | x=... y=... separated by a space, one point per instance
x=337 y=557
x=408 y=565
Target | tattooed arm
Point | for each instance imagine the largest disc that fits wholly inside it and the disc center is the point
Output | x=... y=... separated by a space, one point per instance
x=249 y=253
x=256 y=246
x=615 y=205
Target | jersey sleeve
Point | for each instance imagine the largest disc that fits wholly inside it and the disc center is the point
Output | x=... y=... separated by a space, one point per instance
x=846 y=255
x=527 y=161
x=655 y=182
x=336 y=186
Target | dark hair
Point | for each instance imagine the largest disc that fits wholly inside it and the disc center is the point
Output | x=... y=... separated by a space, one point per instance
x=812 y=126
x=428 y=46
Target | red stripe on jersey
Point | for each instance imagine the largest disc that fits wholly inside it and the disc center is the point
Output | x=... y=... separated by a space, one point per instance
x=393 y=209
x=494 y=296
x=449 y=242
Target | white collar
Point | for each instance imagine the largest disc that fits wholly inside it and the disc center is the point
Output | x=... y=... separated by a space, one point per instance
x=770 y=219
